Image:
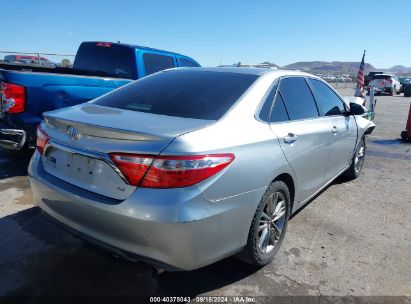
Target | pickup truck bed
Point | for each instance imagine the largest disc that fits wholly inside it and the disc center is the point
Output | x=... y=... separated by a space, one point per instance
x=27 y=91
x=48 y=91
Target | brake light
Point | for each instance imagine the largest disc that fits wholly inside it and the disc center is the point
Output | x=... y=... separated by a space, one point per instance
x=13 y=98
x=133 y=167
x=42 y=140
x=169 y=171
x=104 y=44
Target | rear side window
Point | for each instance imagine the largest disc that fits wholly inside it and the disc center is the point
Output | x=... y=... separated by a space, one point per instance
x=279 y=112
x=328 y=101
x=189 y=93
x=187 y=63
x=298 y=98
x=154 y=63
x=110 y=60
x=266 y=108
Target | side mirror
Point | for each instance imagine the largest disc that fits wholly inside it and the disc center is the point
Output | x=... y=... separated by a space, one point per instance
x=356 y=109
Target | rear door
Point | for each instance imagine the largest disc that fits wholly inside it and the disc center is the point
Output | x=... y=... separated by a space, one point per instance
x=343 y=127
x=303 y=135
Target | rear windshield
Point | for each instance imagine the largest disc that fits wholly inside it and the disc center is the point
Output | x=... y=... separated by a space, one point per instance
x=112 y=60
x=382 y=76
x=189 y=93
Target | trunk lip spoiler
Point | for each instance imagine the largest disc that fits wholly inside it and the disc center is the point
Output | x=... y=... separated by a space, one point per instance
x=84 y=128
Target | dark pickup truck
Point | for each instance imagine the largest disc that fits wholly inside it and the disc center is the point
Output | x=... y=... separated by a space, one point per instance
x=99 y=67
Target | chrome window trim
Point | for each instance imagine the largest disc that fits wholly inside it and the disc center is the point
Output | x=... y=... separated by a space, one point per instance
x=291 y=120
x=264 y=99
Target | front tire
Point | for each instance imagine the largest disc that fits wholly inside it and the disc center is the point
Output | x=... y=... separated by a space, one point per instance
x=269 y=225
x=357 y=161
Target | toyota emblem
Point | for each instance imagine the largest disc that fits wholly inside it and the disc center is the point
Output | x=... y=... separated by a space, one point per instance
x=73 y=133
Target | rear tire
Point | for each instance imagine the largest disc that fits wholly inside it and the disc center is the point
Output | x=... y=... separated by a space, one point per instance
x=357 y=161
x=269 y=225
x=404 y=135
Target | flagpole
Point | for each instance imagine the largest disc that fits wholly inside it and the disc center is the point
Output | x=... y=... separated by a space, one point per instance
x=359 y=90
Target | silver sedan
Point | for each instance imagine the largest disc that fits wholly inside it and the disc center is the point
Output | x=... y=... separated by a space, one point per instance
x=188 y=166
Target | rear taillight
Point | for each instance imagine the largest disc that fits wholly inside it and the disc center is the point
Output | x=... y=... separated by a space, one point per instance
x=169 y=171
x=383 y=83
x=42 y=140
x=13 y=98
x=132 y=166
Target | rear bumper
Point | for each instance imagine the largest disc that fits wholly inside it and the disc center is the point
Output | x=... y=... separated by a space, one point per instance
x=17 y=131
x=12 y=139
x=175 y=229
x=382 y=89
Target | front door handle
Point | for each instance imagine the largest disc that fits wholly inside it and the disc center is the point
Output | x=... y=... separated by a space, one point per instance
x=290 y=138
x=335 y=130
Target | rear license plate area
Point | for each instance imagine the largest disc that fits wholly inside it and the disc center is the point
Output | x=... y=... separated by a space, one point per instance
x=70 y=166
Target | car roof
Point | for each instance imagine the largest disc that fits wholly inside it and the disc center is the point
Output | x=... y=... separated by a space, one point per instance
x=251 y=71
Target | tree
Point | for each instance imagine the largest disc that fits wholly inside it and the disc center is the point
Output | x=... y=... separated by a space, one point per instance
x=65 y=62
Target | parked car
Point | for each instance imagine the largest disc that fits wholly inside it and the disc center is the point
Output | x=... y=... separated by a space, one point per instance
x=99 y=67
x=407 y=90
x=369 y=77
x=210 y=165
x=385 y=83
x=404 y=81
x=28 y=59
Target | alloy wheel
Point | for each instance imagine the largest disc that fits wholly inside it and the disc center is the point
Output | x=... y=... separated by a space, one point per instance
x=271 y=222
x=359 y=158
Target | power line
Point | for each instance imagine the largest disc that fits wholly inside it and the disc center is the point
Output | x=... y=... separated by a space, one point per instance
x=25 y=53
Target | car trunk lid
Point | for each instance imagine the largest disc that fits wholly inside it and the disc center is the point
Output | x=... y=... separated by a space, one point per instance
x=381 y=82
x=82 y=137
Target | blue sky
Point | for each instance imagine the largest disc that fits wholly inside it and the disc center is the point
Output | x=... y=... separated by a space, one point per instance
x=210 y=31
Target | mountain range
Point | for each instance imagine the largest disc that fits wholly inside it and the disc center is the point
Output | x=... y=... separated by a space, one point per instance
x=339 y=66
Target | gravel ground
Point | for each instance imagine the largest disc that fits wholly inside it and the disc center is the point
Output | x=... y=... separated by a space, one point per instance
x=353 y=239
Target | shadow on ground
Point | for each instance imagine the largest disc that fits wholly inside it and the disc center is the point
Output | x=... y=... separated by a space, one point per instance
x=388 y=142
x=14 y=163
x=66 y=267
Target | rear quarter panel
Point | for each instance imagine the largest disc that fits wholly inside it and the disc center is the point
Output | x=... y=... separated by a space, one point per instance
x=257 y=160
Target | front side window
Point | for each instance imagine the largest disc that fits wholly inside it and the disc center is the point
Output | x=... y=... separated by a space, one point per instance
x=189 y=93
x=154 y=63
x=298 y=98
x=328 y=101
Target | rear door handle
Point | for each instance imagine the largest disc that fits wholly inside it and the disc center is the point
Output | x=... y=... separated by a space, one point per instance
x=290 y=138
x=335 y=130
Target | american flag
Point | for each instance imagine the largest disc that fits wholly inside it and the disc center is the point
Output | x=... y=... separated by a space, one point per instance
x=359 y=90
